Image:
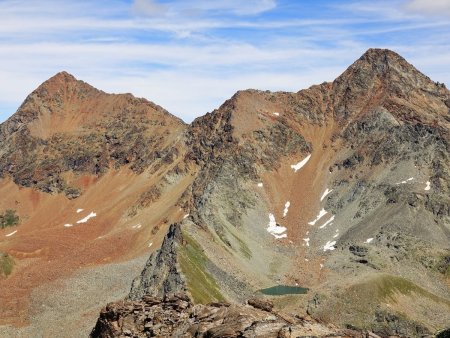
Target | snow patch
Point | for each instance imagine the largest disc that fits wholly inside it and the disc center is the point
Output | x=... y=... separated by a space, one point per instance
x=276 y=114
x=327 y=222
x=329 y=246
x=405 y=181
x=336 y=235
x=286 y=208
x=10 y=234
x=428 y=187
x=274 y=229
x=300 y=164
x=306 y=241
x=322 y=213
x=185 y=216
x=79 y=210
x=137 y=226
x=260 y=185
x=321 y=266
x=150 y=244
x=369 y=240
x=67 y=225
x=326 y=192
x=87 y=218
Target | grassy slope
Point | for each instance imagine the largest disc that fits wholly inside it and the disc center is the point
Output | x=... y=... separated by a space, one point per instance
x=201 y=284
x=364 y=297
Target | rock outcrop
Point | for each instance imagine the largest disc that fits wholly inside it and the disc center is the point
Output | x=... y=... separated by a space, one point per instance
x=161 y=274
x=176 y=316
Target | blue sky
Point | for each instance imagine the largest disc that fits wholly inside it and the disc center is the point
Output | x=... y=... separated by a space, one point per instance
x=190 y=55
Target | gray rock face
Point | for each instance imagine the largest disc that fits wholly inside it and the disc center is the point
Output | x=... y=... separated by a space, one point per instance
x=390 y=140
x=161 y=273
x=387 y=323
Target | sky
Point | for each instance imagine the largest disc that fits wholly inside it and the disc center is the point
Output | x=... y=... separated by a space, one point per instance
x=191 y=55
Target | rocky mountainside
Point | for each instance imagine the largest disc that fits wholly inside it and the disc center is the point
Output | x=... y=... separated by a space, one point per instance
x=66 y=125
x=342 y=188
x=84 y=172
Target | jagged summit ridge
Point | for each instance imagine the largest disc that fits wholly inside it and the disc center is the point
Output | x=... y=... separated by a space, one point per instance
x=65 y=101
x=382 y=78
x=377 y=70
x=382 y=62
x=62 y=78
x=63 y=86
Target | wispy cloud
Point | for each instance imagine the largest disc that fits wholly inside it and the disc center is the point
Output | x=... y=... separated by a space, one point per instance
x=238 y=7
x=148 y=8
x=435 y=7
x=203 y=7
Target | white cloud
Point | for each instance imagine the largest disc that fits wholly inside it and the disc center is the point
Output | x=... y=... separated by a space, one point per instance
x=197 y=8
x=434 y=7
x=148 y=8
x=239 y=7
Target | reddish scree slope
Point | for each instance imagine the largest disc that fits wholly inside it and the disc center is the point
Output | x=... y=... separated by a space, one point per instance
x=64 y=126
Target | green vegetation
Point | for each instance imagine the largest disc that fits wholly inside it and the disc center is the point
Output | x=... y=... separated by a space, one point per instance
x=386 y=287
x=6 y=265
x=201 y=284
x=9 y=218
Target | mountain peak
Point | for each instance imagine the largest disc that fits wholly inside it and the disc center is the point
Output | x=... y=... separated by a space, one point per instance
x=377 y=62
x=63 y=75
x=63 y=81
x=60 y=79
x=64 y=104
x=381 y=55
x=380 y=74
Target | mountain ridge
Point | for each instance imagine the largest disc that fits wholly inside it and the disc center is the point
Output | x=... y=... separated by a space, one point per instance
x=354 y=173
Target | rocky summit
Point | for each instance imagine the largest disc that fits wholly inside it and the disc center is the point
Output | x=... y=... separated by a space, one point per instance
x=324 y=212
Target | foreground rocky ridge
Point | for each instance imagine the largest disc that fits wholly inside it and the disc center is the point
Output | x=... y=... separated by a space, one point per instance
x=175 y=315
